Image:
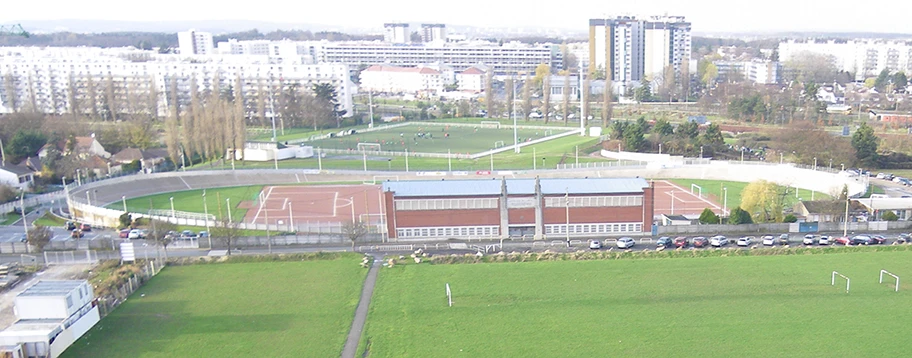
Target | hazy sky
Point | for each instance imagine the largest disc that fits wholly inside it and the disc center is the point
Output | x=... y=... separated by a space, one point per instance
x=706 y=15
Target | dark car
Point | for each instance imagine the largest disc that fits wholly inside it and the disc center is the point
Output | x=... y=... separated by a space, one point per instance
x=700 y=241
x=878 y=240
x=76 y=234
x=860 y=240
x=904 y=238
x=680 y=241
x=70 y=225
x=85 y=227
x=665 y=242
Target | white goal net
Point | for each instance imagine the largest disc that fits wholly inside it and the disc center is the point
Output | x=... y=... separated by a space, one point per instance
x=490 y=124
x=369 y=147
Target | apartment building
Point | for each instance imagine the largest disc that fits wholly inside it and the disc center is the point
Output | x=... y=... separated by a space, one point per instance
x=109 y=83
x=864 y=58
x=195 y=43
x=756 y=71
x=433 y=33
x=396 y=33
x=393 y=79
x=629 y=49
x=667 y=43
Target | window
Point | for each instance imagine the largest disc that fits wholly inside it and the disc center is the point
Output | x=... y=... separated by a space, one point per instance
x=69 y=301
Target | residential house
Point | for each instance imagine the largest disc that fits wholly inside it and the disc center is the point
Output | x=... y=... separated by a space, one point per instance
x=902 y=207
x=827 y=210
x=471 y=79
x=16 y=176
x=148 y=159
x=82 y=147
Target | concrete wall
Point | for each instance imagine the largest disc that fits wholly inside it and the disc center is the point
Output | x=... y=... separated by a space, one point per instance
x=76 y=330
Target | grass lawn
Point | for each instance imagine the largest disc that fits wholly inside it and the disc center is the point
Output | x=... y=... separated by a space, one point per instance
x=192 y=201
x=713 y=190
x=460 y=140
x=49 y=220
x=553 y=151
x=755 y=306
x=9 y=219
x=267 y=309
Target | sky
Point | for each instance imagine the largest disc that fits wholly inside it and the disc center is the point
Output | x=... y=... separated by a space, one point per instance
x=705 y=15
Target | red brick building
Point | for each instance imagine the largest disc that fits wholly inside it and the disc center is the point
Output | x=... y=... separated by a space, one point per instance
x=539 y=208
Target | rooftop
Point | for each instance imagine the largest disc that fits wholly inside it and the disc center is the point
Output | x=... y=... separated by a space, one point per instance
x=52 y=288
x=516 y=186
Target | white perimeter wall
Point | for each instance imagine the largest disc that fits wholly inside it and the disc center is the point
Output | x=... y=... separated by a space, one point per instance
x=71 y=334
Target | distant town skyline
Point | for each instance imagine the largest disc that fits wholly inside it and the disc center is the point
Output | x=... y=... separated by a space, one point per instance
x=706 y=15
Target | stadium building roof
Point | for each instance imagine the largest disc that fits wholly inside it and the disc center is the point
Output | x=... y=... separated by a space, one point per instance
x=549 y=186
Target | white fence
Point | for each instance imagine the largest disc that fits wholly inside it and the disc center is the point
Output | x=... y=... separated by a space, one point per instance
x=603 y=165
x=523 y=144
x=32 y=201
x=70 y=257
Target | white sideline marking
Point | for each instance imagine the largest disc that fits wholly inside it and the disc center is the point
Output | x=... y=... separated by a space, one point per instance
x=185 y=182
x=335 y=203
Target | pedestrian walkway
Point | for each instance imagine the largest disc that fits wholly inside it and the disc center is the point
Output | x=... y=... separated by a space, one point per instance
x=354 y=335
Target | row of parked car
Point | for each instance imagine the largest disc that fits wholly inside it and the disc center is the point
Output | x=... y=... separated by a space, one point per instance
x=766 y=240
x=893 y=178
x=77 y=230
x=142 y=234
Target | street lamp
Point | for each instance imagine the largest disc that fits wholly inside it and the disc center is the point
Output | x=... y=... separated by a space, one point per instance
x=206 y=213
x=831 y=164
x=123 y=199
x=672 y=202
x=567 y=207
x=725 y=200
x=815 y=163
x=171 y=199
x=228 y=203
x=88 y=198
x=843 y=167
x=543 y=162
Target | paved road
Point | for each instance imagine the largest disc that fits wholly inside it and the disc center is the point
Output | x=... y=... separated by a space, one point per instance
x=354 y=335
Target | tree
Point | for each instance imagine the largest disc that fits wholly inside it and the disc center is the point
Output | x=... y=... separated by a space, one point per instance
x=508 y=87
x=708 y=217
x=227 y=231
x=546 y=98
x=790 y=218
x=607 y=104
x=39 y=236
x=415 y=37
x=162 y=234
x=354 y=231
x=489 y=93
x=541 y=72
x=900 y=81
x=126 y=220
x=24 y=144
x=643 y=94
x=526 y=95
x=882 y=80
x=327 y=96
x=713 y=136
x=763 y=200
x=738 y=216
x=865 y=143
x=565 y=95
x=811 y=67
x=889 y=216
x=710 y=74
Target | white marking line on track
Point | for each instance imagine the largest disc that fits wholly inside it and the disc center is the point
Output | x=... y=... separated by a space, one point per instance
x=260 y=208
x=701 y=199
x=335 y=201
x=285 y=203
x=185 y=183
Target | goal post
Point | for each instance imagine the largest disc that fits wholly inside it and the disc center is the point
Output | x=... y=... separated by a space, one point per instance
x=833 y=280
x=697 y=190
x=882 y=272
x=369 y=147
x=498 y=144
x=449 y=295
x=494 y=124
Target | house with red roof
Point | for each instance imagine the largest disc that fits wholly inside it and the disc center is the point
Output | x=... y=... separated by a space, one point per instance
x=472 y=79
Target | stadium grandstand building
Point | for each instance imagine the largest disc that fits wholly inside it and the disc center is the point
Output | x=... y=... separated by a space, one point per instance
x=536 y=208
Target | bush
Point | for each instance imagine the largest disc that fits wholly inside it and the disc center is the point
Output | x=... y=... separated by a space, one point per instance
x=889 y=216
x=708 y=217
x=125 y=220
x=790 y=218
x=739 y=216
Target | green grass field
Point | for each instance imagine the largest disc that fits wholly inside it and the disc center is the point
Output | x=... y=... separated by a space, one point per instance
x=755 y=306
x=192 y=201
x=713 y=189
x=460 y=140
x=269 y=309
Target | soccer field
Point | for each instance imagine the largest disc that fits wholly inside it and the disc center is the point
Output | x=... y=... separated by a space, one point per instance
x=265 y=309
x=745 y=306
x=417 y=137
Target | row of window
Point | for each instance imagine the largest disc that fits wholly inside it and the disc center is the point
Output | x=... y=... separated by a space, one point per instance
x=594 y=201
x=446 y=204
x=470 y=231
x=593 y=228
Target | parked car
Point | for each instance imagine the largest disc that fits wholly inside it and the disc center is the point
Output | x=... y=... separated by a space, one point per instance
x=809 y=239
x=881 y=175
x=76 y=234
x=85 y=227
x=745 y=241
x=595 y=244
x=878 y=240
x=124 y=233
x=824 y=240
x=845 y=240
x=718 y=241
x=665 y=242
x=188 y=234
x=625 y=243
x=136 y=234
x=904 y=238
x=23 y=237
x=889 y=176
x=768 y=240
x=203 y=234
x=860 y=240
x=700 y=241
x=69 y=225
x=680 y=241
x=784 y=239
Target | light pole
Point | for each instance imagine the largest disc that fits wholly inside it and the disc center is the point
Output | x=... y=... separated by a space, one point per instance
x=742 y=154
x=815 y=163
x=291 y=218
x=24 y=218
x=228 y=207
x=543 y=162
x=171 y=199
x=272 y=108
x=781 y=157
x=88 y=198
x=725 y=200
x=831 y=164
x=567 y=208
x=206 y=213
x=123 y=199
x=843 y=167
x=672 y=202
x=515 y=135
x=449 y=161
x=701 y=152
x=351 y=201
x=370 y=108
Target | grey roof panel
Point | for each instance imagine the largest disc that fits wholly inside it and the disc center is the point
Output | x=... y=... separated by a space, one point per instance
x=549 y=186
x=52 y=288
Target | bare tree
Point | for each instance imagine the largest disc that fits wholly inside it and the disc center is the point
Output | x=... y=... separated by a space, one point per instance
x=92 y=96
x=39 y=236
x=566 y=97
x=584 y=101
x=227 y=231
x=172 y=132
x=110 y=99
x=607 y=105
x=72 y=95
x=685 y=79
x=189 y=121
x=162 y=234
x=489 y=92
x=546 y=97
x=354 y=231
x=240 y=118
x=508 y=86
x=527 y=94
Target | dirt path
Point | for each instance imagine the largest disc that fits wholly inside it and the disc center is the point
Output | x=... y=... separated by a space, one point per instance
x=354 y=335
x=56 y=272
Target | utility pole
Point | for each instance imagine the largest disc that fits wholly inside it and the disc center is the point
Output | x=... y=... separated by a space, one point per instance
x=515 y=135
x=370 y=108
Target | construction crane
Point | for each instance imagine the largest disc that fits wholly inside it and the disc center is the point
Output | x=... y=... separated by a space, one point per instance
x=13 y=30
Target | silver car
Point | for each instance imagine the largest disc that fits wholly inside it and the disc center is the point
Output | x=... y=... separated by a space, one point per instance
x=625 y=243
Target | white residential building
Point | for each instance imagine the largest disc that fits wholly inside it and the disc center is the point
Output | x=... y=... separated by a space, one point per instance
x=392 y=79
x=51 y=316
x=667 y=43
x=756 y=71
x=16 y=176
x=396 y=33
x=472 y=80
x=433 y=33
x=63 y=80
x=864 y=58
x=195 y=43
x=558 y=83
x=629 y=49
